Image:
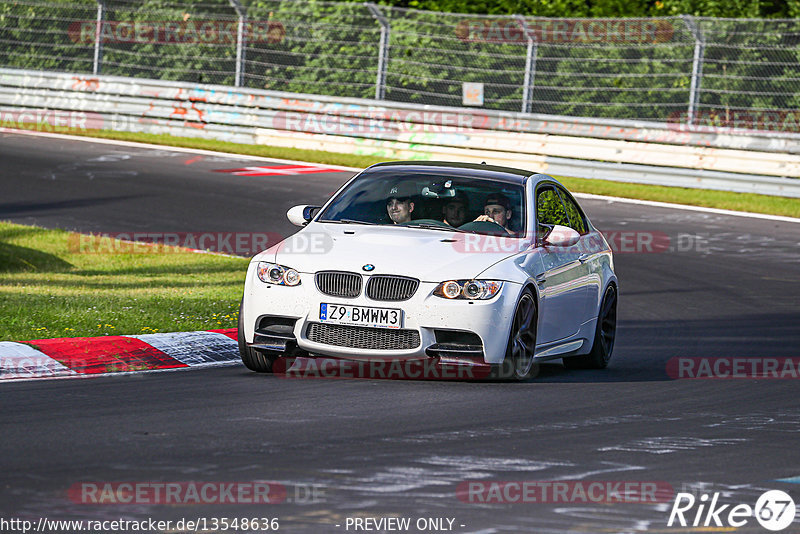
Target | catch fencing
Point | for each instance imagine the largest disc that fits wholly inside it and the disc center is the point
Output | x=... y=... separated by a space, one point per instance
x=691 y=71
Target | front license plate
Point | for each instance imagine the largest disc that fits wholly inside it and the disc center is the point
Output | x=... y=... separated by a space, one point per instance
x=361 y=315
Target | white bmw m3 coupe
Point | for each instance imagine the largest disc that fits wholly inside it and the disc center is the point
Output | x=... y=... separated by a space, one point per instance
x=450 y=264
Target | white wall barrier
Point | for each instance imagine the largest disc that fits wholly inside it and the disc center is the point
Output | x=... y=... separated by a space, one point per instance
x=656 y=153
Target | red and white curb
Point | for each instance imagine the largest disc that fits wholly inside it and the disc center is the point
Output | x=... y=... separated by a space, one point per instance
x=93 y=356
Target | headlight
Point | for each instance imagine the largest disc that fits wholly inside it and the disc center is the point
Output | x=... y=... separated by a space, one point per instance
x=468 y=289
x=277 y=274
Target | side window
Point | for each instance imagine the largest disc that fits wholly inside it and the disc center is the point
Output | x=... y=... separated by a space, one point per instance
x=576 y=219
x=549 y=209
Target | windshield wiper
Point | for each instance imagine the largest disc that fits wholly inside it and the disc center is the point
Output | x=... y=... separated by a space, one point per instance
x=434 y=227
x=350 y=221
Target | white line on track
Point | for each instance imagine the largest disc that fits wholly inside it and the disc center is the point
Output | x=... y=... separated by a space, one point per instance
x=717 y=211
x=133 y=144
x=354 y=169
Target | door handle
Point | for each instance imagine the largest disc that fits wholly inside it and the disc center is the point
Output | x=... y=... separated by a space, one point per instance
x=583 y=258
x=541 y=278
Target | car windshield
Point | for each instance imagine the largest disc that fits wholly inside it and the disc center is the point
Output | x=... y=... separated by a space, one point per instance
x=432 y=201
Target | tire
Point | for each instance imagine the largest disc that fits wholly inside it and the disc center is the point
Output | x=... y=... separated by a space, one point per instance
x=252 y=359
x=604 y=336
x=522 y=339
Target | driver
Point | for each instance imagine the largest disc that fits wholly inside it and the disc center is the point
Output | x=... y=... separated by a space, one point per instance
x=454 y=211
x=398 y=202
x=498 y=210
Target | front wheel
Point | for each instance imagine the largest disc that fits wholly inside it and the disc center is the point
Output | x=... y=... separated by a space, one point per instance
x=252 y=359
x=522 y=339
x=604 y=336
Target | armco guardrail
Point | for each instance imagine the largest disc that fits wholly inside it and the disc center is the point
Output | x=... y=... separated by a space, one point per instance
x=617 y=150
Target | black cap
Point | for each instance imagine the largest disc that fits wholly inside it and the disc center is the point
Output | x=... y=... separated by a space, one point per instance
x=458 y=197
x=499 y=199
x=401 y=190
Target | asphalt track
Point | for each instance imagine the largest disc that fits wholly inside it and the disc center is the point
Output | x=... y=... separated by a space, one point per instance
x=401 y=448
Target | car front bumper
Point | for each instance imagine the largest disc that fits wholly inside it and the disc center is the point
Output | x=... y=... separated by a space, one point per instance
x=424 y=313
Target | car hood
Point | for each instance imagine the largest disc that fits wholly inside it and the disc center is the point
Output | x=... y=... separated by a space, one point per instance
x=429 y=255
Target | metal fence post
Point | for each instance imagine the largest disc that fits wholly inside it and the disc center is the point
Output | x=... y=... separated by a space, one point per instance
x=241 y=12
x=383 y=52
x=531 y=55
x=697 y=67
x=98 y=37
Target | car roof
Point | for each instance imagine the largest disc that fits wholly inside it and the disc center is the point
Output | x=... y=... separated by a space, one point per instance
x=479 y=170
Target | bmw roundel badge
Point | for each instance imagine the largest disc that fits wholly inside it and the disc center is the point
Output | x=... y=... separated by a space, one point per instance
x=369 y=267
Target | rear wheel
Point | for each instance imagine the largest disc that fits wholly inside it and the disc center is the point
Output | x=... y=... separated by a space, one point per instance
x=604 y=336
x=252 y=359
x=522 y=340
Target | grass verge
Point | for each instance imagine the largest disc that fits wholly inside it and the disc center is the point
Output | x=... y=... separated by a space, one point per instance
x=767 y=204
x=50 y=288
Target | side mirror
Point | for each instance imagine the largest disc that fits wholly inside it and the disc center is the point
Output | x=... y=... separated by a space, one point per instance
x=301 y=215
x=561 y=236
